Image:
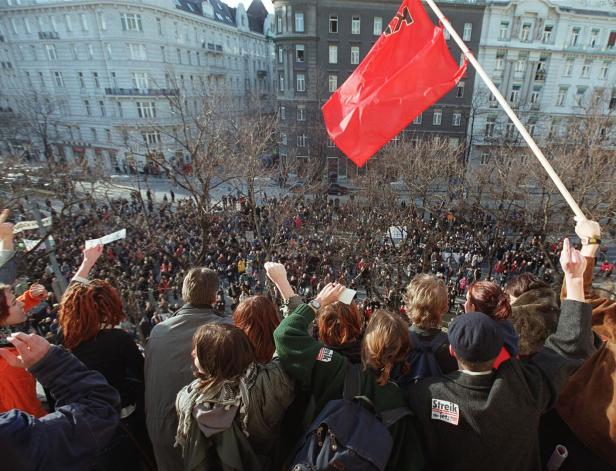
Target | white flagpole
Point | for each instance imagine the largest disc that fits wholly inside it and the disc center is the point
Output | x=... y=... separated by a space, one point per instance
x=514 y=119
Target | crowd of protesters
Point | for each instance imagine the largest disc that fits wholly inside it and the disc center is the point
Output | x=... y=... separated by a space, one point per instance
x=184 y=323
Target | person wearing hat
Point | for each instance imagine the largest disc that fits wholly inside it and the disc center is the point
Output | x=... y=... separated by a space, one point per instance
x=480 y=418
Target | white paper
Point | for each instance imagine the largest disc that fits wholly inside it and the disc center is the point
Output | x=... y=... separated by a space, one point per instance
x=347 y=296
x=30 y=244
x=29 y=225
x=121 y=234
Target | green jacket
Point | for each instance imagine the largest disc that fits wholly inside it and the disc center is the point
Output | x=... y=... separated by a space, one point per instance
x=324 y=377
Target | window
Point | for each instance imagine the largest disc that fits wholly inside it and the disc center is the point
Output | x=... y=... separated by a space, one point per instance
x=84 y=21
x=504 y=31
x=108 y=135
x=586 y=69
x=355 y=24
x=460 y=89
x=140 y=80
x=74 y=52
x=93 y=132
x=574 y=37
x=152 y=137
x=355 y=55
x=456 y=119
x=604 y=70
x=490 y=125
x=146 y=109
x=333 y=23
x=28 y=79
x=330 y=143
x=484 y=158
x=41 y=79
x=281 y=83
x=86 y=104
x=540 y=73
x=283 y=112
x=280 y=55
x=535 y=95
x=552 y=129
x=613 y=100
x=418 y=119
x=27 y=25
x=546 y=36
x=120 y=111
x=593 y=42
x=568 y=69
x=333 y=83
x=159 y=26
x=333 y=54
x=300 y=82
x=82 y=82
x=14 y=25
x=468 y=31
x=378 y=26
x=69 y=23
x=611 y=40
x=515 y=94
x=500 y=60
x=59 y=80
x=301 y=112
x=131 y=22
x=579 y=95
x=102 y=22
x=299 y=22
x=301 y=140
x=562 y=96
x=97 y=82
x=520 y=65
x=178 y=53
x=279 y=24
x=90 y=51
x=101 y=106
x=437 y=117
x=51 y=52
x=137 y=52
x=525 y=32
x=299 y=53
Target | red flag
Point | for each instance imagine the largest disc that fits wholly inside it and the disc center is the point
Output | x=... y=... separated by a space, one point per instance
x=408 y=69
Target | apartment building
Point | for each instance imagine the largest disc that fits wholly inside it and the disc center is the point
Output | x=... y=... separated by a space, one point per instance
x=318 y=45
x=101 y=73
x=554 y=61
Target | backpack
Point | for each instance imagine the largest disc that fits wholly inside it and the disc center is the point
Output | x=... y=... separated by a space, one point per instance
x=423 y=357
x=348 y=435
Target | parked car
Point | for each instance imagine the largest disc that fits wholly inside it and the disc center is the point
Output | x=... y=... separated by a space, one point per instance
x=337 y=189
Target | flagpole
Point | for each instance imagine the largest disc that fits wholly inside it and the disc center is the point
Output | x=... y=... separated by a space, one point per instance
x=514 y=119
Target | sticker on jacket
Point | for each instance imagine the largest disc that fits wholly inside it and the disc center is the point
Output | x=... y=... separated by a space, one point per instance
x=445 y=411
x=325 y=354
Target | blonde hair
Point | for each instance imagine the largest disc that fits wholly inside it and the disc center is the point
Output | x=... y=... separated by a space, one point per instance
x=386 y=343
x=426 y=301
x=200 y=287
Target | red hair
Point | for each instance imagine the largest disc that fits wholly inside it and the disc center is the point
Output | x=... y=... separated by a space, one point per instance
x=490 y=299
x=258 y=317
x=339 y=323
x=85 y=307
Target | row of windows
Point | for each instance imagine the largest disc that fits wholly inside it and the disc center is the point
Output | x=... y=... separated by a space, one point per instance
x=528 y=31
x=554 y=129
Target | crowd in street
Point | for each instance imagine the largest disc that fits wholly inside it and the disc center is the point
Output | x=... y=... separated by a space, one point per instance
x=219 y=340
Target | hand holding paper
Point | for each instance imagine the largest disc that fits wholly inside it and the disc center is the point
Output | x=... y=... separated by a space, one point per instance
x=121 y=234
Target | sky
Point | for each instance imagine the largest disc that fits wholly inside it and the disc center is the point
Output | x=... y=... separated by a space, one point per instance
x=267 y=3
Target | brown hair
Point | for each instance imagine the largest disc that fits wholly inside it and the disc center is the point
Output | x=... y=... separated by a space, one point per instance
x=200 y=287
x=386 y=343
x=425 y=299
x=4 y=302
x=84 y=307
x=258 y=317
x=339 y=323
x=532 y=330
x=490 y=299
x=522 y=283
x=224 y=352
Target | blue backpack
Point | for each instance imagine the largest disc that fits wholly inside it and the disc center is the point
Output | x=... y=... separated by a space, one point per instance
x=348 y=435
x=423 y=357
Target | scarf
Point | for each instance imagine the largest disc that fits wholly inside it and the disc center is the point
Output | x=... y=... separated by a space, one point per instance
x=226 y=394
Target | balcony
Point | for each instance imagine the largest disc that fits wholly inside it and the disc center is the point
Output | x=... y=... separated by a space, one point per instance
x=48 y=35
x=142 y=91
x=1 y=38
x=540 y=76
x=212 y=48
x=261 y=73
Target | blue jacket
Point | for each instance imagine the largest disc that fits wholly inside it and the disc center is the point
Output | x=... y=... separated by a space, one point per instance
x=85 y=420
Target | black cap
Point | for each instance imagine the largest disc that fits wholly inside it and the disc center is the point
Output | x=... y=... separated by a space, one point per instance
x=475 y=337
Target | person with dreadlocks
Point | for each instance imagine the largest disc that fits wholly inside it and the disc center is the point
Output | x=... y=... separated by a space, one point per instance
x=89 y=312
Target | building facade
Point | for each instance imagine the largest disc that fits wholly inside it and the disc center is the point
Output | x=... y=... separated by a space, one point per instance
x=555 y=63
x=318 y=45
x=101 y=74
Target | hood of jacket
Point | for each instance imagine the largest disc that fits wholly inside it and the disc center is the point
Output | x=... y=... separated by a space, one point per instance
x=541 y=302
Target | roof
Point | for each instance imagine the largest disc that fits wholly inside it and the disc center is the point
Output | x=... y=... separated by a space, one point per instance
x=578 y=7
x=222 y=12
x=256 y=16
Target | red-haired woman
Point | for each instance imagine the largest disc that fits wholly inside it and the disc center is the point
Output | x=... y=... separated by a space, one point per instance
x=489 y=298
x=258 y=317
x=89 y=312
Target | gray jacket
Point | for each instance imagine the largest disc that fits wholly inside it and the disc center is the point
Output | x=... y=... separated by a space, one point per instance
x=491 y=421
x=168 y=368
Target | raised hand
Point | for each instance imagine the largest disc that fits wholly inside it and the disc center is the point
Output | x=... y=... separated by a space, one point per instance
x=276 y=272
x=330 y=294
x=31 y=349
x=572 y=261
